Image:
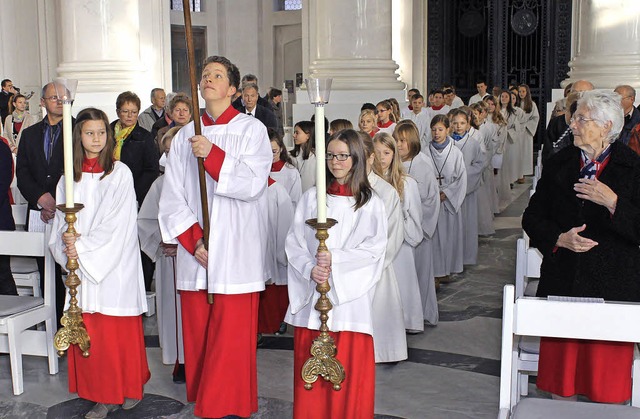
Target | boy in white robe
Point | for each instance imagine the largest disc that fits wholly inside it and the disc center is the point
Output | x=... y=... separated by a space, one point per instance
x=220 y=339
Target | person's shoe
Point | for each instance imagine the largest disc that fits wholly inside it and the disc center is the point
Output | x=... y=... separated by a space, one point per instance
x=413 y=332
x=130 y=403
x=437 y=281
x=178 y=374
x=101 y=411
x=520 y=181
x=260 y=339
x=446 y=279
x=282 y=330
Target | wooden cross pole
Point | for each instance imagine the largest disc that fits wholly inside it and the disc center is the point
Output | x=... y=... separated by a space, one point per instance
x=191 y=60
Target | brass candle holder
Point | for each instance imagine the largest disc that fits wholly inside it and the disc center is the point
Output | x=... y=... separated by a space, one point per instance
x=73 y=330
x=323 y=362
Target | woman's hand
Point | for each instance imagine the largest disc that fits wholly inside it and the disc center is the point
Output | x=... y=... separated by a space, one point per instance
x=201 y=254
x=575 y=242
x=597 y=192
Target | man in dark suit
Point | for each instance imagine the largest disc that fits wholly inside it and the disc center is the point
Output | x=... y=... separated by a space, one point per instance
x=631 y=114
x=39 y=167
x=246 y=80
x=6 y=94
x=251 y=107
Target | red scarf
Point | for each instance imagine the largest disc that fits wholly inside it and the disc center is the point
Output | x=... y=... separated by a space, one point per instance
x=270 y=181
x=387 y=125
x=337 y=189
x=91 y=166
x=437 y=108
x=373 y=132
x=277 y=166
x=224 y=118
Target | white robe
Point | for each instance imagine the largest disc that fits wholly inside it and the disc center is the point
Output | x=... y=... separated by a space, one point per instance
x=168 y=300
x=237 y=207
x=487 y=194
x=357 y=245
x=422 y=121
x=289 y=178
x=447 y=239
x=474 y=160
x=108 y=252
x=529 y=127
x=422 y=170
x=280 y=218
x=442 y=111
x=307 y=169
x=511 y=157
x=389 y=130
x=404 y=263
x=389 y=337
x=496 y=161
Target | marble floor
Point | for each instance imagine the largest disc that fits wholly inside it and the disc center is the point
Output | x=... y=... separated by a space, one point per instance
x=452 y=371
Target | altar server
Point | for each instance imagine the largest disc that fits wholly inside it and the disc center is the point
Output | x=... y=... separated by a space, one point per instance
x=304 y=153
x=219 y=339
x=112 y=295
x=352 y=265
x=283 y=169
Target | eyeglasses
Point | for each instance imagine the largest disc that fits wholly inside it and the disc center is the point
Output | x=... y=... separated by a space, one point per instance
x=339 y=157
x=580 y=120
x=51 y=98
x=128 y=113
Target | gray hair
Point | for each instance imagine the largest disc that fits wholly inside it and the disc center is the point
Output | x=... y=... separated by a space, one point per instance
x=604 y=107
x=167 y=99
x=250 y=86
x=154 y=90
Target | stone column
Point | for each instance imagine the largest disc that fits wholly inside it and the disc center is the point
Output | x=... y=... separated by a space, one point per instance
x=352 y=44
x=606 y=43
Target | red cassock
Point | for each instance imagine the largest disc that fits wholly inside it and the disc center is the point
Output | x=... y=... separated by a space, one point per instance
x=274 y=301
x=355 y=400
x=598 y=370
x=220 y=352
x=117 y=365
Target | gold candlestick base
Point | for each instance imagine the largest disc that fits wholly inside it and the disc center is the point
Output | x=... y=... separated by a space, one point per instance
x=323 y=360
x=73 y=330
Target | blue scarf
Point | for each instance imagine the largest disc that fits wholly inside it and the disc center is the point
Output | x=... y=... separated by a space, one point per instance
x=442 y=145
x=457 y=136
x=590 y=167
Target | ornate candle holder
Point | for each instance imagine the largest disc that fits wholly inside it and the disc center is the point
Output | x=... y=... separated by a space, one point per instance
x=323 y=362
x=73 y=330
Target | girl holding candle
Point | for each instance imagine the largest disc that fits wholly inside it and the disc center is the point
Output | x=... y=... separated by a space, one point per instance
x=304 y=153
x=112 y=294
x=352 y=265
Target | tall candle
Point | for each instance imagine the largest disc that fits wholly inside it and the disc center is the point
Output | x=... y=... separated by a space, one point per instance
x=68 y=153
x=321 y=167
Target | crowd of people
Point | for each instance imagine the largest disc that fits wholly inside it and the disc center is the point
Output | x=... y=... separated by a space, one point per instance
x=412 y=189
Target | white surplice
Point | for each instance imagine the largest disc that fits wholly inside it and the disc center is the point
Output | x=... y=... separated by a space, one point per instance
x=529 y=127
x=422 y=170
x=357 y=244
x=108 y=251
x=289 y=178
x=404 y=263
x=167 y=298
x=512 y=156
x=237 y=207
x=496 y=161
x=280 y=218
x=307 y=169
x=472 y=147
x=422 y=121
x=389 y=337
x=487 y=194
x=448 y=237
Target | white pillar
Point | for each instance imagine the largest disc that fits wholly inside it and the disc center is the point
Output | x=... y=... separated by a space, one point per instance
x=353 y=45
x=606 y=43
x=112 y=46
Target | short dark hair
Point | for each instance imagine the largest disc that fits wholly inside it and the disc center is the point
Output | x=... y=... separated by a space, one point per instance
x=440 y=118
x=369 y=105
x=483 y=81
x=437 y=91
x=414 y=90
x=249 y=77
x=5 y=81
x=232 y=70
x=273 y=92
x=417 y=96
x=125 y=97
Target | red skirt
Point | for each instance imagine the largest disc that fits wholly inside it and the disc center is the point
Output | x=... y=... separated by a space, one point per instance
x=220 y=342
x=598 y=370
x=117 y=365
x=355 y=400
x=274 y=301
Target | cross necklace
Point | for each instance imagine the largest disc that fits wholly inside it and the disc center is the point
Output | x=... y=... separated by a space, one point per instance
x=440 y=177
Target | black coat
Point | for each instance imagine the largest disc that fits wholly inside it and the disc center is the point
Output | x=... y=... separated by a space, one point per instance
x=6 y=176
x=629 y=125
x=35 y=176
x=140 y=153
x=556 y=128
x=610 y=270
x=264 y=115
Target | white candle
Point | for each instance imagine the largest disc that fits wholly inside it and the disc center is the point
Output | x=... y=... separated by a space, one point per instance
x=321 y=183
x=68 y=154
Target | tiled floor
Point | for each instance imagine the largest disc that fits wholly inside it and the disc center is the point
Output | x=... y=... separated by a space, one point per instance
x=452 y=371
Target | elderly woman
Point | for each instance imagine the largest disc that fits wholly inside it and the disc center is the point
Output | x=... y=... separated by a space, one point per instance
x=585 y=219
x=134 y=145
x=180 y=111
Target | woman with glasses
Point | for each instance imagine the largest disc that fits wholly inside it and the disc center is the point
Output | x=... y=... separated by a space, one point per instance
x=585 y=220
x=352 y=265
x=134 y=145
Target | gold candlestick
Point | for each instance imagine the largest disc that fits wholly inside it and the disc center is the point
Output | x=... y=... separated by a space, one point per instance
x=323 y=360
x=73 y=330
